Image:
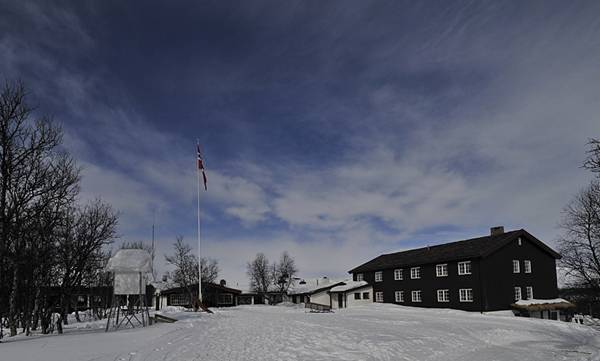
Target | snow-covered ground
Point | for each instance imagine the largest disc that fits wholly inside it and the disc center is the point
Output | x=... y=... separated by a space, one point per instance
x=374 y=332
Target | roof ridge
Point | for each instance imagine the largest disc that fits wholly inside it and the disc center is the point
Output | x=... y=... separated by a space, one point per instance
x=453 y=242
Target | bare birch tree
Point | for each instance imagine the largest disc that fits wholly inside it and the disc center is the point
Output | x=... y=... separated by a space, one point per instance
x=283 y=272
x=580 y=245
x=259 y=273
x=592 y=161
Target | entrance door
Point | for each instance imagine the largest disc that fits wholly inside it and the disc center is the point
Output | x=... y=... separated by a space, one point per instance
x=340 y=301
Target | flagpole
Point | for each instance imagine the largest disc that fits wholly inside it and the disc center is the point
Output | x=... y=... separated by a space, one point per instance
x=199 y=262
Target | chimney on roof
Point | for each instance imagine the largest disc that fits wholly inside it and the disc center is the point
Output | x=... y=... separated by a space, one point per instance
x=223 y=283
x=494 y=231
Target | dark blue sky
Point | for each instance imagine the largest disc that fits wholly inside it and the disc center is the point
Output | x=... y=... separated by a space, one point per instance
x=334 y=130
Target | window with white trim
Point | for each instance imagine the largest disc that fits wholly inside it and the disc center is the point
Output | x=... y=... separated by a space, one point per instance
x=378 y=276
x=399 y=296
x=378 y=296
x=527 y=266
x=416 y=296
x=359 y=277
x=529 y=292
x=466 y=294
x=179 y=299
x=464 y=268
x=225 y=299
x=441 y=270
x=443 y=295
x=516 y=266
x=398 y=274
x=517 y=293
x=415 y=273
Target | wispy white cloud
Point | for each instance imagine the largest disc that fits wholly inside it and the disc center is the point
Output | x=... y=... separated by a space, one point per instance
x=495 y=138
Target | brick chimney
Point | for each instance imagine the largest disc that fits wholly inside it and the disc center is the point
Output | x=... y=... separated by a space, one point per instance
x=494 y=231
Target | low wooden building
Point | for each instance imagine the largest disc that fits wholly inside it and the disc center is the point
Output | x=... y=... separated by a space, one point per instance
x=552 y=309
x=213 y=295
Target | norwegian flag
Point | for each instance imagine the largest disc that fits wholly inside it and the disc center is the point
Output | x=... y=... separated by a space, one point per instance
x=201 y=165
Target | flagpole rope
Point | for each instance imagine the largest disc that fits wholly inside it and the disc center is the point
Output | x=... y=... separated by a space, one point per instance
x=199 y=258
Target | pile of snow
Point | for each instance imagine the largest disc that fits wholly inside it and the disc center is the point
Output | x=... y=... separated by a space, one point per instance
x=372 y=332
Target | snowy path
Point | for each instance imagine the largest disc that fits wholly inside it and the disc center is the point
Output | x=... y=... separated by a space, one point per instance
x=377 y=332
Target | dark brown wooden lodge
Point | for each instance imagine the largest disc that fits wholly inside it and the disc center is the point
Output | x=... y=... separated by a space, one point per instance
x=481 y=274
x=213 y=295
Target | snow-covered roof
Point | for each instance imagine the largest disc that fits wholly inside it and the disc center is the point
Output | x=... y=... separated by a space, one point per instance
x=534 y=301
x=349 y=285
x=301 y=286
x=130 y=260
x=540 y=305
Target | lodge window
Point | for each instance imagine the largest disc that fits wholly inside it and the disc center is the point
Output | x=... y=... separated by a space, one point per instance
x=225 y=299
x=356 y=296
x=378 y=276
x=365 y=295
x=464 y=268
x=517 y=293
x=179 y=299
x=359 y=276
x=416 y=296
x=519 y=241
x=529 y=292
x=443 y=295
x=527 y=266
x=466 y=295
x=398 y=274
x=378 y=296
x=399 y=296
x=441 y=270
x=415 y=273
x=516 y=266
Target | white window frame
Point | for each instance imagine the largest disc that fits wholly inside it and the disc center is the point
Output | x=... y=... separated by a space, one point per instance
x=516 y=266
x=416 y=296
x=517 y=292
x=519 y=241
x=465 y=294
x=462 y=271
x=379 y=276
x=529 y=292
x=443 y=295
x=399 y=296
x=398 y=276
x=379 y=297
x=415 y=273
x=179 y=299
x=359 y=277
x=441 y=270
x=225 y=299
x=527 y=266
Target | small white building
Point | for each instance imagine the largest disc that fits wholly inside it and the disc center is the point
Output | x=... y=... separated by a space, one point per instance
x=312 y=290
x=332 y=293
x=351 y=293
